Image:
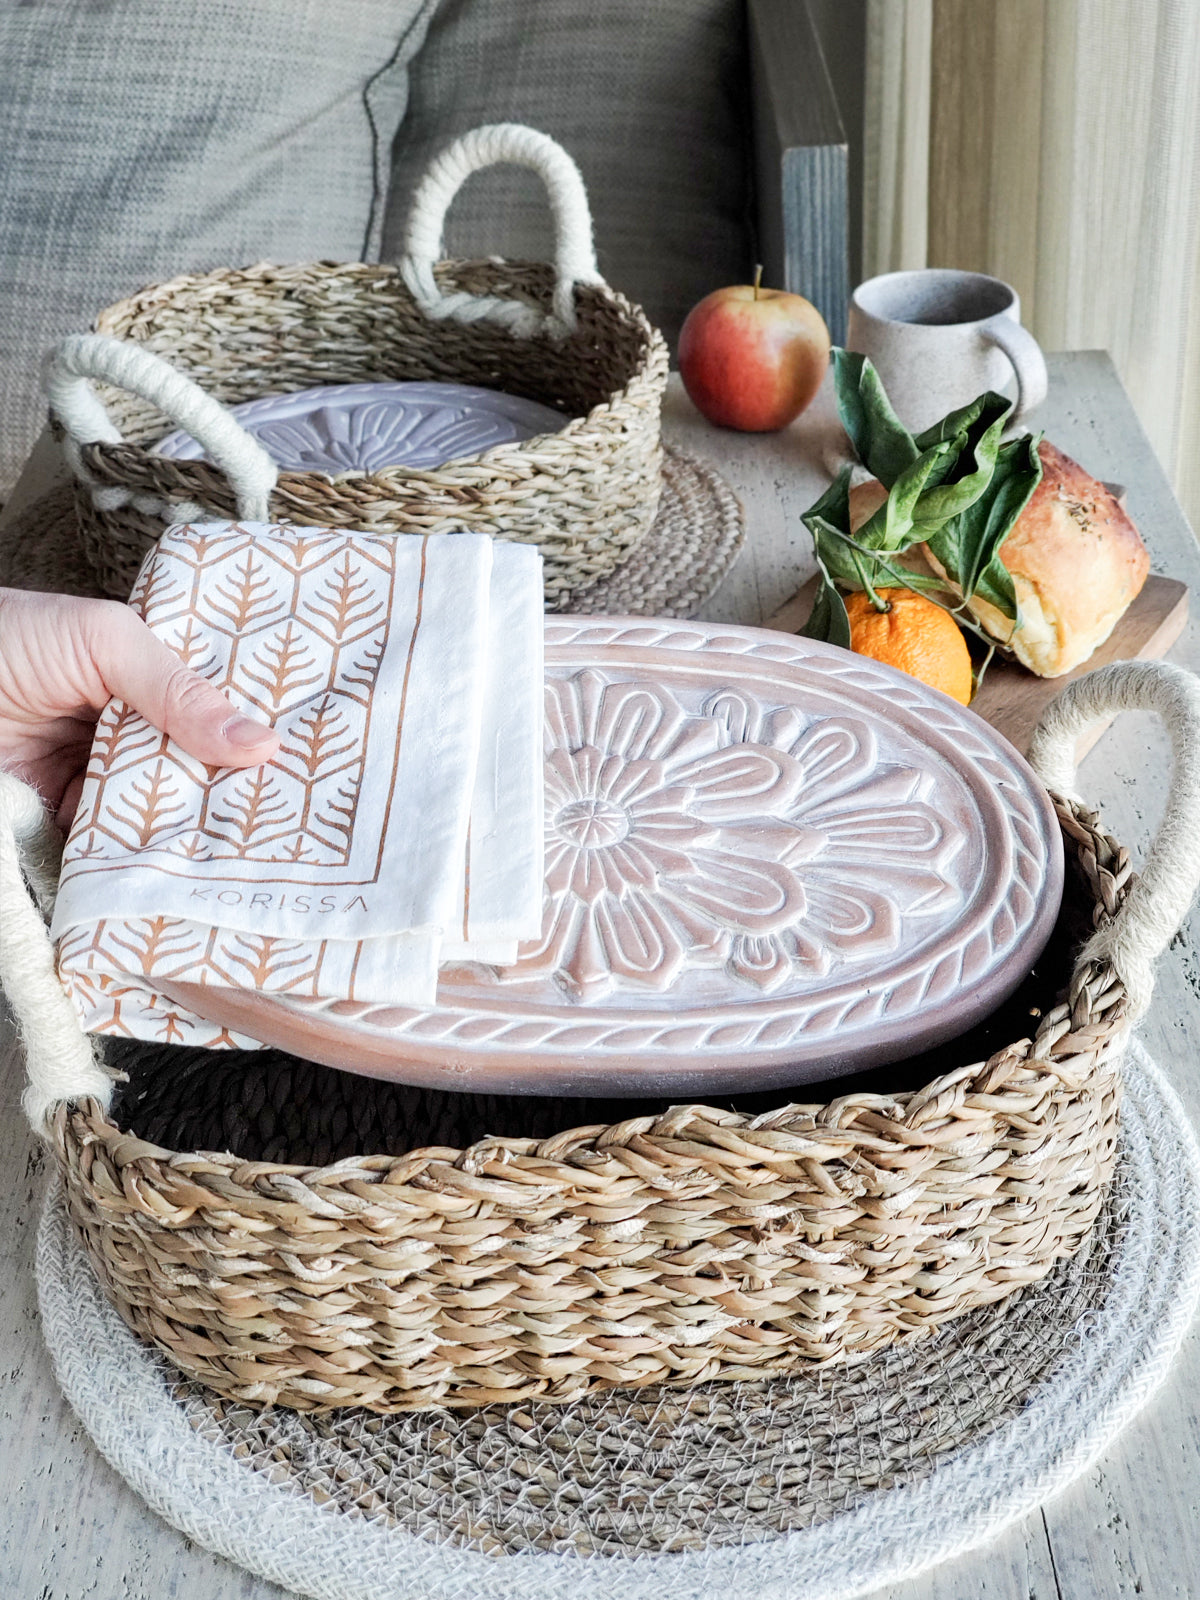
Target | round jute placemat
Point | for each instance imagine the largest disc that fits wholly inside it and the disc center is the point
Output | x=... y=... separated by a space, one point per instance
x=826 y=1484
x=691 y=546
x=671 y=572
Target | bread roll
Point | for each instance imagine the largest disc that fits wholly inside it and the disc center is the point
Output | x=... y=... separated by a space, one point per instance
x=1076 y=559
x=1077 y=562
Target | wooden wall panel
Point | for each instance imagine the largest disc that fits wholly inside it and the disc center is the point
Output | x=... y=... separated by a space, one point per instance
x=986 y=125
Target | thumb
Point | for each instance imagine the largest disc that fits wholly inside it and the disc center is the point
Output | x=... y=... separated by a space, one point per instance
x=138 y=667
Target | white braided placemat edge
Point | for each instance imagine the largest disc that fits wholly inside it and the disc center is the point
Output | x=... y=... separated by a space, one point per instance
x=121 y=1394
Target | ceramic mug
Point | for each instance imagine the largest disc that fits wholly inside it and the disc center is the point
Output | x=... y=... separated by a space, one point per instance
x=939 y=337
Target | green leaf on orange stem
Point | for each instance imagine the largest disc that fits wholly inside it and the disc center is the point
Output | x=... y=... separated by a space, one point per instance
x=968 y=545
x=955 y=487
x=971 y=438
x=894 y=525
x=828 y=619
x=882 y=442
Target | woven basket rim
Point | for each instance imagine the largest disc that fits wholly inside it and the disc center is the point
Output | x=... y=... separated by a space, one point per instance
x=835 y=1120
x=497 y=455
x=577 y=427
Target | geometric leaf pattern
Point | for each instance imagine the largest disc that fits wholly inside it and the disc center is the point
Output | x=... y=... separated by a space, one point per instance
x=293 y=628
x=292 y=625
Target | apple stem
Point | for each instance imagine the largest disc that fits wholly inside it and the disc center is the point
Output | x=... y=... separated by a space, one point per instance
x=757 y=279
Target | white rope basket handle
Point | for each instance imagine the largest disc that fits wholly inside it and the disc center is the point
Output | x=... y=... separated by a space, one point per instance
x=574 y=257
x=61 y=1059
x=1160 y=898
x=126 y=365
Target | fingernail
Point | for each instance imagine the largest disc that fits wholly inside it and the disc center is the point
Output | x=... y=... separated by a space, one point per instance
x=245 y=732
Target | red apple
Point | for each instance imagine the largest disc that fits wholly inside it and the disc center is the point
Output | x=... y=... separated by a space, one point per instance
x=753 y=358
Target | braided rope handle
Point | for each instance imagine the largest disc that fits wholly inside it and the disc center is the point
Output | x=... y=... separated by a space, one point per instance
x=1160 y=898
x=61 y=1059
x=574 y=253
x=83 y=356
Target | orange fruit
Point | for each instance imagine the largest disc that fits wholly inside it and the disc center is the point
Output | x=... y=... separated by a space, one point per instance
x=915 y=636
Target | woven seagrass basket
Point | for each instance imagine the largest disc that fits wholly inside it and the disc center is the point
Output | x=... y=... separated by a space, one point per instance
x=552 y=333
x=689 y=1244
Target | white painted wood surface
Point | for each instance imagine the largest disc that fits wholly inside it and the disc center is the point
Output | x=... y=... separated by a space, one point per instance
x=71 y=1530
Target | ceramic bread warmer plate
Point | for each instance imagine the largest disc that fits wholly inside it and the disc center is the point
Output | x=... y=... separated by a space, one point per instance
x=767 y=862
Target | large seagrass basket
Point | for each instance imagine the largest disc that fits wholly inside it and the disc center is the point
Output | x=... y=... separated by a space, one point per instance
x=167 y=357
x=689 y=1244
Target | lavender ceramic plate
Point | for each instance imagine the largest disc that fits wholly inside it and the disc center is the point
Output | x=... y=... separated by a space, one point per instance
x=365 y=427
x=768 y=861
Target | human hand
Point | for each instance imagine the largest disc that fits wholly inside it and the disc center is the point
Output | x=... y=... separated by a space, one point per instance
x=62 y=659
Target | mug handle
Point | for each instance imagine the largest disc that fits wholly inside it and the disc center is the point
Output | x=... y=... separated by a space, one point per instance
x=1029 y=364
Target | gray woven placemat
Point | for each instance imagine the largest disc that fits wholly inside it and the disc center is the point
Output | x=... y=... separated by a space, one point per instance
x=692 y=545
x=670 y=573
x=825 y=1485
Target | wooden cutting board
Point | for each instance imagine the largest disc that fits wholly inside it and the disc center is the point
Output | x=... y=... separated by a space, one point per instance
x=1012 y=698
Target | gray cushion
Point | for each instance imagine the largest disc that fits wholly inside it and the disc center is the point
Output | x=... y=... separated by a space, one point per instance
x=144 y=138
x=649 y=96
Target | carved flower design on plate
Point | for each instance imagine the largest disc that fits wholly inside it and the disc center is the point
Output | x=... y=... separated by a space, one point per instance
x=755 y=838
x=368 y=427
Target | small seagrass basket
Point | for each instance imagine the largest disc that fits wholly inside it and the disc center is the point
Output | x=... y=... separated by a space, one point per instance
x=177 y=354
x=688 y=1245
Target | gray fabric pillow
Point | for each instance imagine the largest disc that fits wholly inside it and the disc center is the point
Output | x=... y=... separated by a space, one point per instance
x=649 y=96
x=144 y=138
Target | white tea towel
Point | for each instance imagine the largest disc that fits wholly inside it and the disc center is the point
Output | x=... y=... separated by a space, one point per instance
x=500 y=899
x=337 y=870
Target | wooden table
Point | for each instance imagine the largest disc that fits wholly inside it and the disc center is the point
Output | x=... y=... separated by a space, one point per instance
x=71 y=1530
